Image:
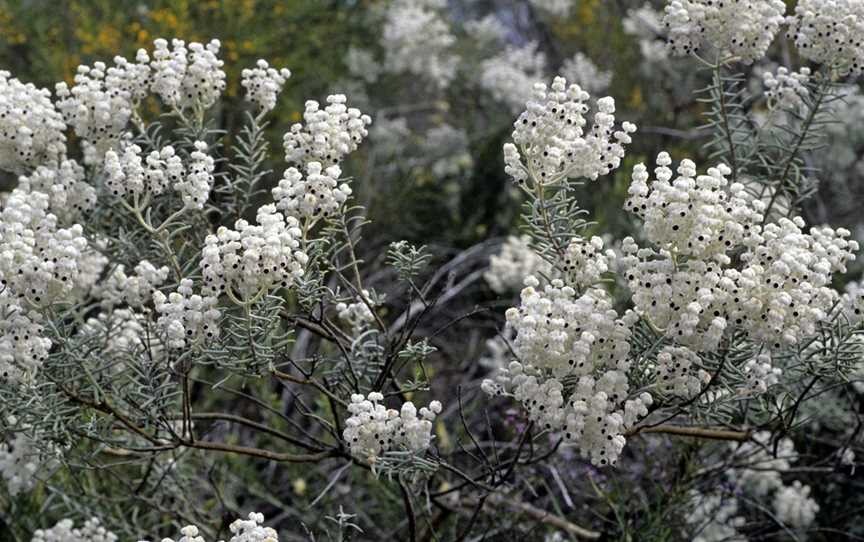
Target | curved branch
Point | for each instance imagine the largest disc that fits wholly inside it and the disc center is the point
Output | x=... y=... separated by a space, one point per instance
x=233 y=418
x=258 y=452
x=696 y=432
x=543 y=516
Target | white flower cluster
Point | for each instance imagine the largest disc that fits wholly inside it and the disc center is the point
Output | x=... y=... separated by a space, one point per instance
x=856 y=375
x=101 y=101
x=357 y=315
x=498 y=354
x=186 y=318
x=31 y=129
x=764 y=464
x=318 y=195
x=91 y=264
x=195 y=187
x=487 y=31
x=794 y=507
x=551 y=140
x=362 y=63
x=687 y=287
x=761 y=475
x=786 y=90
x=329 y=133
x=417 y=40
x=561 y=335
x=558 y=8
x=679 y=372
x=845 y=138
x=242 y=530
x=374 y=429
x=70 y=195
x=23 y=349
x=189 y=533
x=263 y=84
x=594 y=416
x=581 y=70
x=761 y=374
x=511 y=75
x=130 y=173
x=187 y=76
x=758 y=473
x=446 y=150
x=513 y=264
x=252 y=530
x=853 y=303
x=681 y=301
x=38 y=260
x=19 y=462
x=700 y=216
x=250 y=260
x=646 y=25
x=132 y=78
x=829 y=32
x=741 y=28
x=566 y=334
x=585 y=261
x=786 y=281
x=65 y=531
x=542 y=397
x=847 y=457
x=135 y=290
x=121 y=331
x=714 y=518
x=390 y=134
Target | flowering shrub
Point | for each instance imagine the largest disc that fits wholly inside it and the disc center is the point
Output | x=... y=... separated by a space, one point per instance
x=196 y=327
